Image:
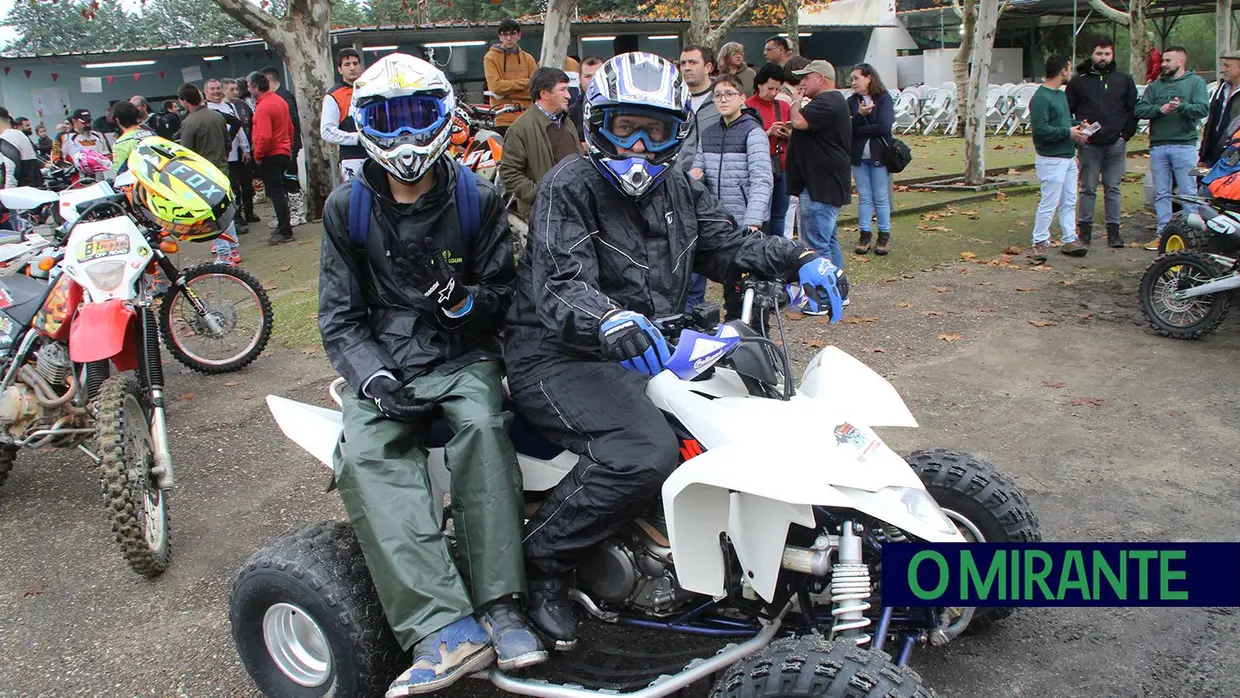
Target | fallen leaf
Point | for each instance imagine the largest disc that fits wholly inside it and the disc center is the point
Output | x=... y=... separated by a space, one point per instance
x=305 y=242
x=1066 y=282
x=966 y=256
x=1043 y=267
x=880 y=350
x=1012 y=250
x=1022 y=223
x=1023 y=290
x=794 y=317
x=950 y=337
x=999 y=147
x=1136 y=244
x=232 y=384
x=985 y=310
x=814 y=343
x=1054 y=384
x=859 y=258
x=1173 y=414
x=908 y=276
x=943 y=289
x=267 y=283
x=901 y=187
x=962 y=271
x=309 y=350
x=858 y=320
x=33 y=591
x=1091 y=401
x=184 y=396
x=904 y=305
x=932 y=313
x=1013 y=171
x=891 y=279
x=1000 y=196
x=287 y=268
x=1084 y=316
x=1041 y=323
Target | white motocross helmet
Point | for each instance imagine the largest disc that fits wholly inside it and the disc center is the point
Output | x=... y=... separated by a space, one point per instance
x=403 y=109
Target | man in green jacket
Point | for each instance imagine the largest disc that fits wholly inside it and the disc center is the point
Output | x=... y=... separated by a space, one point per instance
x=1054 y=137
x=539 y=139
x=205 y=132
x=1174 y=104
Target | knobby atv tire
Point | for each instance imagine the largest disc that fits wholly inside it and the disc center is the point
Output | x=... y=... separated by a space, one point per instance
x=990 y=500
x=813 y=667
x=122 y=493
x=8 y=454
x=1219 y=302
x=320 y=569
x=1193 y=239
x=166 y=324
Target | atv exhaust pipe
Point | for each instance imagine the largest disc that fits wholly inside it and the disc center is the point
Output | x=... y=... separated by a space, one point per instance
x=1226 y=283
x=812 y=561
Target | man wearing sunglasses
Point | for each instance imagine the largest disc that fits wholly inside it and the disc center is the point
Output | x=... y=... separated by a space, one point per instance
x=614 y=238
x=415 y=279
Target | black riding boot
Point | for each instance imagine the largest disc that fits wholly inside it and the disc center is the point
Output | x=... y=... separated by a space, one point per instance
x=1113 y=238
x=552 y=612
x=1085 y=232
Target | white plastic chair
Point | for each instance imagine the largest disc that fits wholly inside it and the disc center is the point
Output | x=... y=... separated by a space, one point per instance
x=1018 y=116
x=998 y=104
x=906 y=108
x=938 y=112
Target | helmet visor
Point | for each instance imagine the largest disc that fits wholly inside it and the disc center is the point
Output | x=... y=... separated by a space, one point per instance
x=416 y=115
x=656 y=130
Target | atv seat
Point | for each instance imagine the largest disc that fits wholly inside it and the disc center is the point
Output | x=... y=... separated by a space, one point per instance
x=24 y=296
x=1228 y=204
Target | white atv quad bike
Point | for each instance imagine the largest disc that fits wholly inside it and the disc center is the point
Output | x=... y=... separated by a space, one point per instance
x=754 y=537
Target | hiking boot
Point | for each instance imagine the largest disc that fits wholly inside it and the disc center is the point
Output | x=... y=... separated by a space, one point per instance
x=1040 y=250
x=552 y=612
x=516 y=645
x=1085 y=233
x=1152 y=245
x=863 y=245
x=1113 y=238
x=443 y=657
x=1074 y=249
x=278 y=239
x=884 y=243
x=251 y=218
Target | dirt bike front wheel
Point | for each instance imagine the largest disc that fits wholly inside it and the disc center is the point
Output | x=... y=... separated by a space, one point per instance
x=219 y=322
x=137 y=508
x=1188 y=318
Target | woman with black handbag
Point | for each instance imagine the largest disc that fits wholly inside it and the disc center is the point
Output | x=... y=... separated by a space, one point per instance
x=873 y=115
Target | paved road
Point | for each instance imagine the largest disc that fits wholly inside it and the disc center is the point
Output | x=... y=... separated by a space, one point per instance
x=1156 y=461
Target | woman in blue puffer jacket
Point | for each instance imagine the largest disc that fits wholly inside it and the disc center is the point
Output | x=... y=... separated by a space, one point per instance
x=733 y=160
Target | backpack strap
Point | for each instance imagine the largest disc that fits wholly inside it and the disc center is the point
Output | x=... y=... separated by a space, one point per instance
x=468 y=204
x=360 y=203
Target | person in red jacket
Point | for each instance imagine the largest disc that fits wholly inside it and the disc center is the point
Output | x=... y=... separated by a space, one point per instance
x=1153 y=65
x=273 y=150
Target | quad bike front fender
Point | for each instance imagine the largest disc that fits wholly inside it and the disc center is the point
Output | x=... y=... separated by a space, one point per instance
x=753 y=491
x=854 y=390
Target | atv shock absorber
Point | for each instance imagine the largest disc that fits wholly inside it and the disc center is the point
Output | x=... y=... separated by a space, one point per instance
x=850 y=588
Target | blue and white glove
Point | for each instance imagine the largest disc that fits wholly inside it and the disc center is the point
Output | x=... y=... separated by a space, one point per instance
x=820 y=286
x=629 y=338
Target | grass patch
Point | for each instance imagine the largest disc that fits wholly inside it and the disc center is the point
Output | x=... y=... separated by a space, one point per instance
x=934 y=155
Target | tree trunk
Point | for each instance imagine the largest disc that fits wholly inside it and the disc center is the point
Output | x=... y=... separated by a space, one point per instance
x=975 y=125
x=699 y=23
x=792 y=25
x=557 y=33
x=960 y=64
x=1222 y=36
x=302 y=37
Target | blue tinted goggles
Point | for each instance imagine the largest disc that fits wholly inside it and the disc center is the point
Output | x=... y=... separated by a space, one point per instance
x=416 y=115
x=657 y=131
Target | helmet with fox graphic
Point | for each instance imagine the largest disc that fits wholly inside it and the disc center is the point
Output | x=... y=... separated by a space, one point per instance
x=179 y=190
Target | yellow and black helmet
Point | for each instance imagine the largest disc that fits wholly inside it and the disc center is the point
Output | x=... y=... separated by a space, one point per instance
x=179 y=190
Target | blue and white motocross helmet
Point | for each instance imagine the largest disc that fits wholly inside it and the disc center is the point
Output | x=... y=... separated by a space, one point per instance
x=637 y=101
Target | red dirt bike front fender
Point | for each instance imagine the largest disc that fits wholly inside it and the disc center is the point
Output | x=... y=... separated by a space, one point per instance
x=106 y=330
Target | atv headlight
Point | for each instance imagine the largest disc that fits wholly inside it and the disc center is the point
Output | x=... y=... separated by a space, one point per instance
x=921 y=505
x=106 y=275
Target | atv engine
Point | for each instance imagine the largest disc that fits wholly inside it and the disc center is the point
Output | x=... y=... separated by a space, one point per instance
x=635 y=571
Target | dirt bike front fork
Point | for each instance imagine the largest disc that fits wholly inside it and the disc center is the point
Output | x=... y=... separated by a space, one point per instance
x=151 y=371
x=209 y=321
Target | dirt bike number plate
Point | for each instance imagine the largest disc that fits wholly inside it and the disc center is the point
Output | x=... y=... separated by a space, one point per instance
x=103 y=245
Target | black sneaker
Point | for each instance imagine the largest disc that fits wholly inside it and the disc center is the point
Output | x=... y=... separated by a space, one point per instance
x=552 y=612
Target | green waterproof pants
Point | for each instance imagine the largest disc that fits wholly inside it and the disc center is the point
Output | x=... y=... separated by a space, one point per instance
x=386 y=490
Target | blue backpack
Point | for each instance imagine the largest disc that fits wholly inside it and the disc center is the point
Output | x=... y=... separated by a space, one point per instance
x=468 y=208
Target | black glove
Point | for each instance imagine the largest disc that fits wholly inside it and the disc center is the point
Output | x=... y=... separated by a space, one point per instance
x=391 y=401
x=428 y=270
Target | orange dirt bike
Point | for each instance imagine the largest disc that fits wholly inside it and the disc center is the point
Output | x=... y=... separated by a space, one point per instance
x=477 y=146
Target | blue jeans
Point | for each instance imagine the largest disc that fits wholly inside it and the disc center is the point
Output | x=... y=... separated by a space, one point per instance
x=222 y=247
x=873 y=192
x=1170 y=163
x=697 y=292
x=779 y=205
x=820 y=232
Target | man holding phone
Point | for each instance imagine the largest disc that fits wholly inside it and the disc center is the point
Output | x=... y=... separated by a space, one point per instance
x=1174 y=104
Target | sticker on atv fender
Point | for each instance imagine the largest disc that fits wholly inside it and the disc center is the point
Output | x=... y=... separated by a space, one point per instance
x=103 y=245
x=847 y=434
x=6 y=300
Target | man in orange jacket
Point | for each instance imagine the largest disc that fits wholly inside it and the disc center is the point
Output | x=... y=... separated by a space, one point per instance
x=508 y=70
